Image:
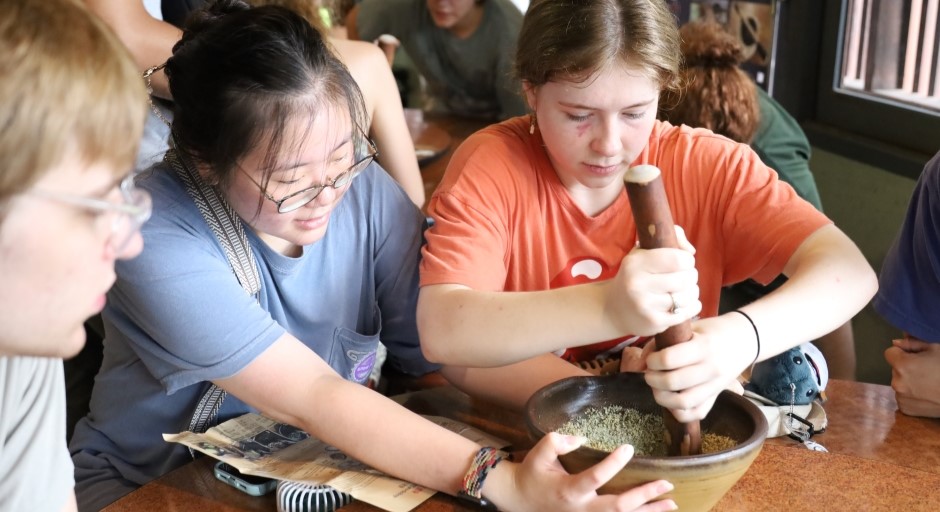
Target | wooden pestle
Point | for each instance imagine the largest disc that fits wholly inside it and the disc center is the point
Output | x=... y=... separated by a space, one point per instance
x=655 y=228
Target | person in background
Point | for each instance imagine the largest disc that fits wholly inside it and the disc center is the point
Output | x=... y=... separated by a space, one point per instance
x=386 y=118
x=267 y=127
x=533 y=250
x=67 y=212
x=718 y=95
x=462 y=48
x=909 y=296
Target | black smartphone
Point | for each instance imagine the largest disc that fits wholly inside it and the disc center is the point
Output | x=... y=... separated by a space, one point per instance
x=249 y=484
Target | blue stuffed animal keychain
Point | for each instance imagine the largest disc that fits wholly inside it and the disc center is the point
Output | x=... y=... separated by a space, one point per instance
x=795 y=377
x=803 y=366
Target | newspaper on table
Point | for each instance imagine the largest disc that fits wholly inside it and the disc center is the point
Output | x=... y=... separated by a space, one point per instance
x=263 y=447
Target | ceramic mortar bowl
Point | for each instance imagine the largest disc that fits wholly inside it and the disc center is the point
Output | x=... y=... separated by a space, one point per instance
x=700 y=480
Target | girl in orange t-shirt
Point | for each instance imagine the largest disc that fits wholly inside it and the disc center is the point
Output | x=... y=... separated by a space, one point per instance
x=533 y=249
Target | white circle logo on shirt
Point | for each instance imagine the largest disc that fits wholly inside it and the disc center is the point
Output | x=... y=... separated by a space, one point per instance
x=589 y=268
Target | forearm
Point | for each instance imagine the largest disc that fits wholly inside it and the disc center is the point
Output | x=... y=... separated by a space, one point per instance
x=386 y=436
x=289 y=383
x=149 y=40
x=829 y=281
x=512 y=385
x=464 y=327
x=153 y=46
x=396 y=149
x=402 y=164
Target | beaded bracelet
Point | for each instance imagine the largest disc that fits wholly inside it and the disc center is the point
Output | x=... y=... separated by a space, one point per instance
x=756 y=335
x=485 y=460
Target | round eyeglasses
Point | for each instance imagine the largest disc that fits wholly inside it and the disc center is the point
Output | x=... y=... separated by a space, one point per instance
x=295 y=200
x=126 y=217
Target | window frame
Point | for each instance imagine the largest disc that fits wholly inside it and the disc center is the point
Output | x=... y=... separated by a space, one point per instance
x=892 y=135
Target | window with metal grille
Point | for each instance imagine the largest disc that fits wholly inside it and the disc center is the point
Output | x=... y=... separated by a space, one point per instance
x=878 y=95
x=890 y=50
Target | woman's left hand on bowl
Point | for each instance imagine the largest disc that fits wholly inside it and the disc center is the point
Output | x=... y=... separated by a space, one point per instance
x=541 y=477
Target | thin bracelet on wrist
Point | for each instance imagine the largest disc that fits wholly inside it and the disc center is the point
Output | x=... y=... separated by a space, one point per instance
x=756 y=337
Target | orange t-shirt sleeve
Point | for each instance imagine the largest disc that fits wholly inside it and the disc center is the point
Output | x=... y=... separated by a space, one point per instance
x=730 y=204
x=469 y=242
x=778 y=220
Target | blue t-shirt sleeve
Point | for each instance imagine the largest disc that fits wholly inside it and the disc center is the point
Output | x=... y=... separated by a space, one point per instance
x=909 y=284
x=179 y=305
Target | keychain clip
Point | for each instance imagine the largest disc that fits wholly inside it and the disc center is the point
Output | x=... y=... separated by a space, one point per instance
x=803 y=435
x=800 y=434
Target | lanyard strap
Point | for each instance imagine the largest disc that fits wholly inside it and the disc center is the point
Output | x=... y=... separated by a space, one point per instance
x=229 y=230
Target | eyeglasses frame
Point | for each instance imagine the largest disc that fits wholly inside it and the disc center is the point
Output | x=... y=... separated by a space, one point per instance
x=137 y=205
x=362 y=163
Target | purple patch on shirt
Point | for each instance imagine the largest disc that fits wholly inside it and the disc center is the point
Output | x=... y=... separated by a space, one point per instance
x=364 y=368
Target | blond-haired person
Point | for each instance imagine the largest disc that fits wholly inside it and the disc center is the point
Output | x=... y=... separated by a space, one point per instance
x=71 y=114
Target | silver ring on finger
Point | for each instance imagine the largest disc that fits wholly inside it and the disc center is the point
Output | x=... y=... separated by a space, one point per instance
x=675 y=305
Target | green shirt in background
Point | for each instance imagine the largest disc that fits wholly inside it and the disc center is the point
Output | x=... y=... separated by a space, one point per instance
x=782 y=145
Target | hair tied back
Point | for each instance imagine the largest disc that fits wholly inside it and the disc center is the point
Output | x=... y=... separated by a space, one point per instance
x=707 y=44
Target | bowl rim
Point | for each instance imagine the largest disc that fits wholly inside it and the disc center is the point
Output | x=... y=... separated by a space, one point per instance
x=753 y=442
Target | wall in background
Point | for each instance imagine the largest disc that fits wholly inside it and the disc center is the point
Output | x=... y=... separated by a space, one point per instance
x=868 y=203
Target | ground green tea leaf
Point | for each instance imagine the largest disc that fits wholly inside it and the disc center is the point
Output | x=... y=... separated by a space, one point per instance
x=609 y=427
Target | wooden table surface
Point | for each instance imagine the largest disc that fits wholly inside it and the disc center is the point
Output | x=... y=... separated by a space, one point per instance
x=879 y=460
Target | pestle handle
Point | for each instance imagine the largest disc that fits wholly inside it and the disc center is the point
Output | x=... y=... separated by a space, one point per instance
x=655 y=229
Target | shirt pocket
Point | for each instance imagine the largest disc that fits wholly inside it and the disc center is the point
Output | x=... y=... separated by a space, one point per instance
x=356 y=355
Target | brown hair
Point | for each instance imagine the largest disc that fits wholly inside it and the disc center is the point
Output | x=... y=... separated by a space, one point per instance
x=573 y=39
x=69 y=89
x=716 y=93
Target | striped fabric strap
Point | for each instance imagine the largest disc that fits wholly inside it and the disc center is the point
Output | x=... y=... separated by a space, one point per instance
x=223 y=220
x=228 y=229
x=207 y=410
